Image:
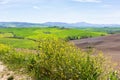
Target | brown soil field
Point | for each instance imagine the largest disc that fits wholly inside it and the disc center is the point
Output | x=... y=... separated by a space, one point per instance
x=109 y=45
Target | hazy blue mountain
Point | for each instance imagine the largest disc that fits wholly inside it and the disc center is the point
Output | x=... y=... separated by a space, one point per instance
x=56 y=24
x=84 y=24
x=79 y=24
x=18 y=24
x=50 y=24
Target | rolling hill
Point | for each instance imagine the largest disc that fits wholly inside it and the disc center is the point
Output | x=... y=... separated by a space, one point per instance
x=60 y=24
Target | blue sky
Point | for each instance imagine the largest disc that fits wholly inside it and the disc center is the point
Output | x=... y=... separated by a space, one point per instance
x=70 y=11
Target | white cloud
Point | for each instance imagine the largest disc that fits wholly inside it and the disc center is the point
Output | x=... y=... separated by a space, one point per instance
x=36 y=7
x=92 y=1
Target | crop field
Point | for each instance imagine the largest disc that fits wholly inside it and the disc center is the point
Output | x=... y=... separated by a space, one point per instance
x=109 y=30
x=48 y=54
x=24 y=37
x=59 y=40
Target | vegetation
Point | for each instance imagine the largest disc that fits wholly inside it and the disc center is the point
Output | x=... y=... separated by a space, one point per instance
x=53 y=57
x=18 y=43
x=58 y=60
x=109 y=30
x=25 y=37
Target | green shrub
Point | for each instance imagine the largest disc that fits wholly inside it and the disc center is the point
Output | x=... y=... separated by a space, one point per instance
x=14 y=59
x=4 y=49
x=17 y=60
x=60 y=60
x=114 y=76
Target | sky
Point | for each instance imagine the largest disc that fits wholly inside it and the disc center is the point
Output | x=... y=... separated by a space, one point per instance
x=69 y=11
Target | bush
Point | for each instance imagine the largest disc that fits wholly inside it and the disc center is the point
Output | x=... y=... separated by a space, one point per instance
x=14 y=59
x=3 y=50
x=78 y=37
x=60 y=60
x=17 y=60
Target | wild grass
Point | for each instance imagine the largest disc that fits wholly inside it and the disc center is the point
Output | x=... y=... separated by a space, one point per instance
x=54 y=58
x=18 y=43
x=58 y=60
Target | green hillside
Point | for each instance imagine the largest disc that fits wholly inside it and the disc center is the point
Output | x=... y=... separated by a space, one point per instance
x=24 y=37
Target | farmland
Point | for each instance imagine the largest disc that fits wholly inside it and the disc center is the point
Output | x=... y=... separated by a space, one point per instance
x=48 y=54
x=23 y=37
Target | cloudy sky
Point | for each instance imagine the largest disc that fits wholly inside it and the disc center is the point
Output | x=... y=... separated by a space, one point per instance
x=70 y=11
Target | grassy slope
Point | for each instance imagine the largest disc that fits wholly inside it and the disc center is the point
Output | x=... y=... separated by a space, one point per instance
x=18 y=43
x=36 y=33
x=110 y=30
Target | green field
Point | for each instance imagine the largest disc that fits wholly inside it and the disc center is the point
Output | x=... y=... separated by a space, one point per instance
x=21 y=37
x=54 y=58
x=24 y=37
x=109 y=30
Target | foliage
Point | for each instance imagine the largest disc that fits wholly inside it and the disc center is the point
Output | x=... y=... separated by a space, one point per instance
x=17 y=60
x=114 y=76
x=4 y=49
x=59 y=60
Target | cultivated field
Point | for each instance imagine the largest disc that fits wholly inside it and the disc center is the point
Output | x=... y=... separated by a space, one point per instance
x=109 y=45
x=48 y=54
x=25 y=37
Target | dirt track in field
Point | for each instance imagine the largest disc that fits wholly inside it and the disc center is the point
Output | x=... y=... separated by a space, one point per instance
x=110 y=45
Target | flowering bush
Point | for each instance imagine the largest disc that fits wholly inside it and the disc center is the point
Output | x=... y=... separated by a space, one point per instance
x=60 y=60
x=4 y=49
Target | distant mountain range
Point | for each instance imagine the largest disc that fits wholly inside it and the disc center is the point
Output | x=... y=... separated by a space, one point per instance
x=50 y=24
x=18 y=24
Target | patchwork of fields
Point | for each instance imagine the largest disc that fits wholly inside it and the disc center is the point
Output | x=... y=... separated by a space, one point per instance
x=55 y=58
x=24 y=37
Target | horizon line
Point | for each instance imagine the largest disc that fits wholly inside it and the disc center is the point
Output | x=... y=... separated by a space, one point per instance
x=59 y=22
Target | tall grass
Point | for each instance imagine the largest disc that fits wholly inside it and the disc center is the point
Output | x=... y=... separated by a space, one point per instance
x=59 y=60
